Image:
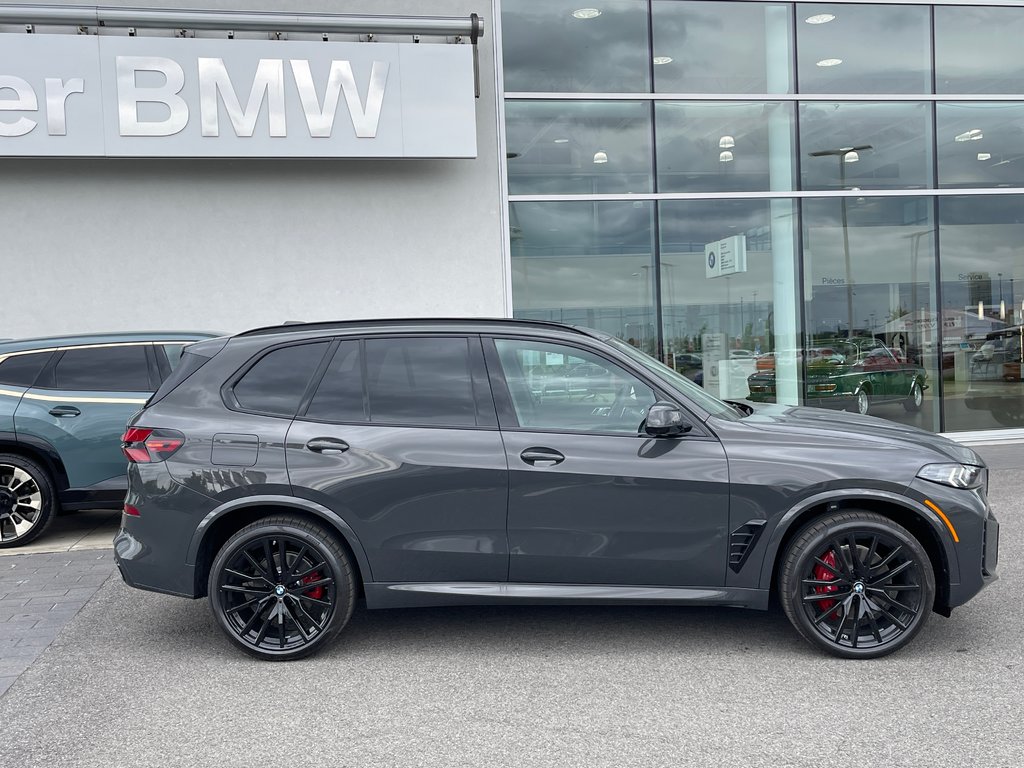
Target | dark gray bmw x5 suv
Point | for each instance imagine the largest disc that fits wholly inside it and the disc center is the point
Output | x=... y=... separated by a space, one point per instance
x=287 y=471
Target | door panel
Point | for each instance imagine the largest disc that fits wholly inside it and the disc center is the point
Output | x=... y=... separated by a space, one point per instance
x=427 y=504
x=617 y=510
x=84 y=427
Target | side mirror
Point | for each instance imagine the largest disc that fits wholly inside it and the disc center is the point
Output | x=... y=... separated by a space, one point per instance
x=665 y=420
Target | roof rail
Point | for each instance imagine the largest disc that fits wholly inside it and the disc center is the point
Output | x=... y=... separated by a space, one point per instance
x=292 y=326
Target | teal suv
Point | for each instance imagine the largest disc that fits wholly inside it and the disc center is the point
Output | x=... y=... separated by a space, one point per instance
x=64 y=403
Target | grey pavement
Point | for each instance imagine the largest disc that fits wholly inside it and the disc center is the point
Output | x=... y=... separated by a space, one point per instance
x=139 y=679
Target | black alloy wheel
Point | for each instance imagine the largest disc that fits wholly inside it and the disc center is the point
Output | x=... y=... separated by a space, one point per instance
x=281 y=588
x=27 y=500
x=857 y=585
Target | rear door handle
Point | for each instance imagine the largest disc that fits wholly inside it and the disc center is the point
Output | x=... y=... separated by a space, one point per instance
x=542 y=457
x=64 y=410
x=327 y=445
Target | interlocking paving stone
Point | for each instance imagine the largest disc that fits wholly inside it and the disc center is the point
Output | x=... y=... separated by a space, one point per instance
x=39 y=594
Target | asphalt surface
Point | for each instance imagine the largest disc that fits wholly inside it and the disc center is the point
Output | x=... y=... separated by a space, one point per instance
x=138 y=679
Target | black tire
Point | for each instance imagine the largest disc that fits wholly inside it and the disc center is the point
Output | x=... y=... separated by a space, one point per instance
x=28 y=500
x=887 y=588
x=277 y=614
x=913 y=403
x=862 y=400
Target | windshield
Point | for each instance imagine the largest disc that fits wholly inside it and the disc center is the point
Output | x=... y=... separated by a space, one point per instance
x=708 y=402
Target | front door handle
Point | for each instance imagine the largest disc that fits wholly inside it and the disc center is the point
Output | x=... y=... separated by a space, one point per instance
x=64 y=410
x=327 y=445
x=542 y=457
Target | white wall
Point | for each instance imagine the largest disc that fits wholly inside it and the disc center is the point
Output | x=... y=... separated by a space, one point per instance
x=224 y=245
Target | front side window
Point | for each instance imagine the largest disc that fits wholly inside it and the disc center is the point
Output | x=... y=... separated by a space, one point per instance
x=278 y=380
x=420 y=381
x=110 y=369
x=553 y=386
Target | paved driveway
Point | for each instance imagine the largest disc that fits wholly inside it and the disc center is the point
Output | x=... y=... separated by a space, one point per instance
x=137 y=679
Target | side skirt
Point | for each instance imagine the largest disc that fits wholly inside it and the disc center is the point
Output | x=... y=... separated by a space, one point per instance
x=401 y=595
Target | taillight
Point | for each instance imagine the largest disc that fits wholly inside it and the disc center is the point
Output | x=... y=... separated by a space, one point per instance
x=130 y=510
x=143 y=445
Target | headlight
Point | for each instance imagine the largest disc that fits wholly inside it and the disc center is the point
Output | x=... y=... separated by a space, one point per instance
x=955 y=475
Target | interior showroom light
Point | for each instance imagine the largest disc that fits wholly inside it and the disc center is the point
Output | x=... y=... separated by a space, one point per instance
x=586 y=13
x=981 y=310
x=984 y=156
x=820 y=18
x=725 y=157
x=600 y=156
x=662 y=59
x=726 y=142
x=851 y=157
x=830 y=62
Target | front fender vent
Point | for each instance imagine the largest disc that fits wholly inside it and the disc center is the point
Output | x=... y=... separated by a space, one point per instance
x=742 y=541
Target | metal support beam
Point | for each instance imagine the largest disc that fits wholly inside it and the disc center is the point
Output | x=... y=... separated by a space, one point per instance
x=168 y=18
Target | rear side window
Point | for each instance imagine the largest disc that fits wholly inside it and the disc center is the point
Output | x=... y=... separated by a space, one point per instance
x=420 y=381
x=278 y=380
x=107 y=369
x=340 y=394
x=185 y=367
x=173 y=352
x=22 y=370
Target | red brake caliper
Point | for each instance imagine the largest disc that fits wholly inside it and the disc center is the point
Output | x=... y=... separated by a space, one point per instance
x=822 y=573
x=318 y=592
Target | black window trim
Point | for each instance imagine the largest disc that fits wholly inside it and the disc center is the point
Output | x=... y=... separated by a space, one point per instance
x=484 y=405
x=509 y=420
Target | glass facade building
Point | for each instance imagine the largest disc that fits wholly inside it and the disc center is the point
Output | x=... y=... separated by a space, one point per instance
x=808 y=203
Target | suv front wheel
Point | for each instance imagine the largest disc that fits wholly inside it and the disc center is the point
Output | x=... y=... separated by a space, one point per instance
x=857 y=585
x=281 y=588
x=27 y=500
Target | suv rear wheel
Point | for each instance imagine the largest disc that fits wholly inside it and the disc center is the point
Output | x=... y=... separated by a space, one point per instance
x=27 y=500
x=281 y=588
x=857 y=585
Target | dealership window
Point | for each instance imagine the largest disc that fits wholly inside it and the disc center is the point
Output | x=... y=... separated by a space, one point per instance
x=869 y=264
x=868 y=146
x=977 y=49
x=587 y=263
x=982 y=273
x=980 y=144
x=728 y=276
x=846 y=48
x=562 y=46
x=579 y=147
x=724 y=146
x=722 y=47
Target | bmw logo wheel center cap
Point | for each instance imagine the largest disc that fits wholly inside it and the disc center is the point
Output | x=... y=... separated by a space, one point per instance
x=858 y=588
x=279 y=590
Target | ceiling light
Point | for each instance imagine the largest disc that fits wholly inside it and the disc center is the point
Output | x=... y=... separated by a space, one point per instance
x=851 y=157
x=830 y=62
x=984 y=156
x=662 y=59
x=1002 y=309
x=586 y=13
x=561 y=141
x=600 y=156
x=972 y=135
x=726 y=142
x=725 y=157
x=981 y=310
x=820 y=18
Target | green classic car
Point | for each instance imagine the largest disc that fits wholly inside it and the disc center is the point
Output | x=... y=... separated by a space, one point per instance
x=850 y=374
